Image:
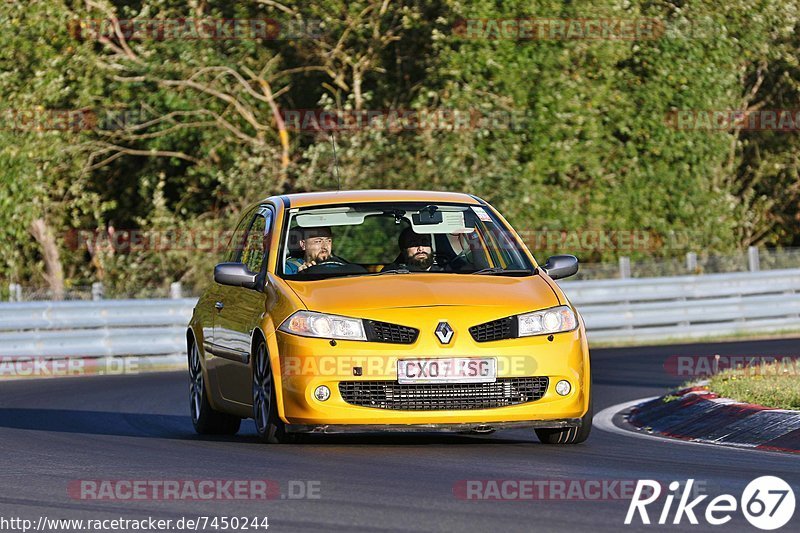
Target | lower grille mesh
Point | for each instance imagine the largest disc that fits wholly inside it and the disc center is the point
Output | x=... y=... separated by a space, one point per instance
x=445 y=396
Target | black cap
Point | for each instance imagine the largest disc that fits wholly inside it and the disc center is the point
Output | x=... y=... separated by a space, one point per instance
x=409 y=239
x=319 y=231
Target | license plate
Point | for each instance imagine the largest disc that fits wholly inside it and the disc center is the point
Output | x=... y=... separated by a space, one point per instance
x=447 y=370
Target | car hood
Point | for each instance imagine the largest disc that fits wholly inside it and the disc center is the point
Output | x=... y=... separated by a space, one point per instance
x=499 y=295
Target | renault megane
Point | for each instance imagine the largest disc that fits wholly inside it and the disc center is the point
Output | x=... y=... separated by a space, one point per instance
x=358 y=311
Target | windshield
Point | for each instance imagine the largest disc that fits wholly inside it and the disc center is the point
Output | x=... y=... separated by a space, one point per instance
x=398 y=239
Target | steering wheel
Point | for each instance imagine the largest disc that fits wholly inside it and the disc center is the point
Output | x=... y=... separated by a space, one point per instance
x=328 y=264
x=334 y=265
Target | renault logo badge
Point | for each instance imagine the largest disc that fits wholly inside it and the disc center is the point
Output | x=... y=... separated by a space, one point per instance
x=444 y=332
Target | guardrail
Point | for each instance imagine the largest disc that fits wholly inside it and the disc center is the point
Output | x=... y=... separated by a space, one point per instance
x=688 y=307
x=629 y=310
x=154 y=331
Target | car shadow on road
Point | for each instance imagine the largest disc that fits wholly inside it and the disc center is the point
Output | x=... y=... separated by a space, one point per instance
x=180 y=427
x=101 y=423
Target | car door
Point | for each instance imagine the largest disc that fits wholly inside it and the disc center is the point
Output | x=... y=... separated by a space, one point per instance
x=239 y=312
x=211 y=299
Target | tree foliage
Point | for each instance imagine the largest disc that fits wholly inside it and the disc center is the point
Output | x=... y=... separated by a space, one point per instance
x=183 y=132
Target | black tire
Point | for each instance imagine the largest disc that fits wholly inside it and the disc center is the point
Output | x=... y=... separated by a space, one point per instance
x=573 y=435
x=269 y=426
x=205 y=419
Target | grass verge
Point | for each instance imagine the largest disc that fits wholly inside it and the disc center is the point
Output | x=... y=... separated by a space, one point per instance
x=774 y=384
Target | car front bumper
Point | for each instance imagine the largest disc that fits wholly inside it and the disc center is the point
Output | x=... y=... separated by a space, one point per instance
x=307 y=363
x=328 y=429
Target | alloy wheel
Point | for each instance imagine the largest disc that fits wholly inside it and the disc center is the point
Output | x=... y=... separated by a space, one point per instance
x=262 y=389
x=195 y=383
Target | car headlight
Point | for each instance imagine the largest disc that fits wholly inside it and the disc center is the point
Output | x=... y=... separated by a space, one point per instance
x=548 y=321
x=324 y=326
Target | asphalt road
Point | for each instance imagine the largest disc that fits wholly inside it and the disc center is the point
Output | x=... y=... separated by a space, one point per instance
x=55 y=432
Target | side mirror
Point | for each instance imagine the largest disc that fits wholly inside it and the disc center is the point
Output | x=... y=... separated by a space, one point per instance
x=561 y=266
x=235 y=275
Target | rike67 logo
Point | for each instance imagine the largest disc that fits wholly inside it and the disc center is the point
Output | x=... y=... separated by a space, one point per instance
x=767 y=503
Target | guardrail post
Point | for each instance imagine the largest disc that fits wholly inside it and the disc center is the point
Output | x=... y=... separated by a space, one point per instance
x=691 y=262
x=175 y=290
x=624 y=267
x=752 y=259
x=14 y=292
x=97 y=290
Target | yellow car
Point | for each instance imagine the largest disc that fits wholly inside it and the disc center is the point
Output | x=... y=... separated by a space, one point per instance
x=361 y=311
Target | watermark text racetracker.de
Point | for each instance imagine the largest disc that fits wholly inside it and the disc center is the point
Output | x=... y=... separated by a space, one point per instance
x=193 y=29
x=781 y=120
x=383 y=366
x=122 y=490
x=548 y=489
x=396 y=120
x=44 y=367
x=586 y=28
x=102 y=119
x=699 y=366
x=560 y=29
x=151 y=240
x=573 y=240
x=215 y=241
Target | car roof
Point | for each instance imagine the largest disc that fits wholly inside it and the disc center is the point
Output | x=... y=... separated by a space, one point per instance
x=307 y=199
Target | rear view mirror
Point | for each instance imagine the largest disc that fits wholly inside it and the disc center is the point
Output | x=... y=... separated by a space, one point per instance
x=234 y=275
x=561 y=266
x=428 y=216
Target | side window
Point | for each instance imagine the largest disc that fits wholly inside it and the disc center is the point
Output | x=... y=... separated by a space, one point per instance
x=256 y=244
x=234 y=249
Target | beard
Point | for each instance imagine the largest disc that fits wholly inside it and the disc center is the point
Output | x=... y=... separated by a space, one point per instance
x=421 y=261
x=321 y=256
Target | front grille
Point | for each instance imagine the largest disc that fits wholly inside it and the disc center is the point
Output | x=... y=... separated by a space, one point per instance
x=445 y=396
x=391 y=333
x=504 y=328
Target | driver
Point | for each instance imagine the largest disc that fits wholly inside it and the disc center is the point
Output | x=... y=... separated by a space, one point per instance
x=317 y=246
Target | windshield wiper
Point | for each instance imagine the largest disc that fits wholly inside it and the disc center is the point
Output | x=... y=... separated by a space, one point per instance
x=394 y=271
x=498 y=270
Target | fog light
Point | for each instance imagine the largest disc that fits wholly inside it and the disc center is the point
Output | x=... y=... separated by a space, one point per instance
x=563 y=387
x=322 y=393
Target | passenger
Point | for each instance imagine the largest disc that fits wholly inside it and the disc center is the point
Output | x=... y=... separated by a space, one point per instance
x=416 y=252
